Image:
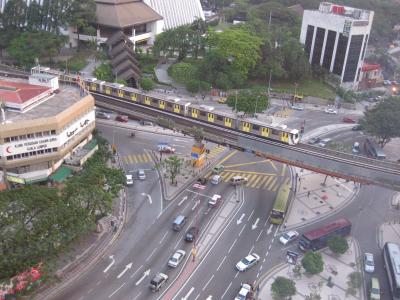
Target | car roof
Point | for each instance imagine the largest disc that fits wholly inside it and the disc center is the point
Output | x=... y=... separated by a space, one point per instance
x=375 y=282
x=129 y=176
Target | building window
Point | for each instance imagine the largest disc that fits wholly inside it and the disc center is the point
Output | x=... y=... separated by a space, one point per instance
x=46 y=133
x=30 y=135
x=7 y=140
x=14 y=138
x=9 y=157
x=39 y=134
x=329 y=46
x=353 y=58
x=340 y=54
x=318 y=43
x=53 y=132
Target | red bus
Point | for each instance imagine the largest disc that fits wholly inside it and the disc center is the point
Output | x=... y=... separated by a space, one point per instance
x=318 y=238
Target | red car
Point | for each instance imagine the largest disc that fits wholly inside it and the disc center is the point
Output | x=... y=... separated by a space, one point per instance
x=122 y=118
x=349 y=120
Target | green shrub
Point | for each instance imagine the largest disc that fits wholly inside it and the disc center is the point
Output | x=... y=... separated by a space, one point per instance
x=147 y=84
x=283 y=287
x=312 y=262
x=338 y=244
x=183 y=72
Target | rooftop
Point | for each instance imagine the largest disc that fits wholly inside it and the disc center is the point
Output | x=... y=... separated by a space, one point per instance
x=344 y=11
x=54 y=105
x=124 y=13
x=20 y=92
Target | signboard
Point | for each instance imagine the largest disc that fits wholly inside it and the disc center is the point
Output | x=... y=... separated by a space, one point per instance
x=15 y=179
x=346 y=27
x=41 y=143
x=291 y=257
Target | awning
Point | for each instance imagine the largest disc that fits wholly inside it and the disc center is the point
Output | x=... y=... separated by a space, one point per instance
x=61 y=174
x=36 y=180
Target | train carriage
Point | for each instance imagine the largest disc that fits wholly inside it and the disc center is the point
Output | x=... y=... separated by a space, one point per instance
x=202 y=112
x=93 y=84
x=132 y=95
x=113 y=89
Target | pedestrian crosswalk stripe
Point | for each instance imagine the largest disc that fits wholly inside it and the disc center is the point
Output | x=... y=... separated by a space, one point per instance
x=263 y=180
x=136 y=158
x=227 y=178
x=254 y=183
x=250 y=179
x=273 y=181
x=208 y=175
x=267 y=182
x=274 y=188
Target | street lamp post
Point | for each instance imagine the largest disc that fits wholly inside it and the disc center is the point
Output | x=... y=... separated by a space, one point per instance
x=236 y=94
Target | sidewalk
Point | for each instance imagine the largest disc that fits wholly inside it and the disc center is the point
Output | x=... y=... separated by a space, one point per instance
x=390 y=230
x=336 y=268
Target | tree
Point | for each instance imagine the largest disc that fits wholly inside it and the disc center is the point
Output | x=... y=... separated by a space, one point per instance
x=172 y=166
x=146 y=83
x=183 y=72
x=382 y=121
x=282 y=288
x=104 y=72
x=198 y=134
x=14 y=14
x=338 y=244
x=248 y=101
x=312 y=262
x=82 y=13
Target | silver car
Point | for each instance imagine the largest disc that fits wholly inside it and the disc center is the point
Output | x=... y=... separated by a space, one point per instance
x=176 y=258
x=369 y=264
x=141 y=174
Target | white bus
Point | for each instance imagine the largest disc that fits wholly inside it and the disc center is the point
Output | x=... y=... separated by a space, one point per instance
x=391 y=257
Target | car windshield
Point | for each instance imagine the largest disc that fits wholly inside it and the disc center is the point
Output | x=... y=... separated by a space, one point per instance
x=369 y=263
x=375 y=291
x=246 y=261
x=286 y=236
x=174 y=259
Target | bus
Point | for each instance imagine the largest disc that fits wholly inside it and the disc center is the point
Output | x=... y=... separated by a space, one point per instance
x=280 y=206
x=391 y=258
x=373 y=150
x=318 y=238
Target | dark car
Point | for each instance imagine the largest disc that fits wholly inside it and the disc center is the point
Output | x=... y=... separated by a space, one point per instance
x=202 y=180
x=122 y=118
x=191 y=234
x=356 y=128
x=103 y=115
x=348 y=119
x=314 y=140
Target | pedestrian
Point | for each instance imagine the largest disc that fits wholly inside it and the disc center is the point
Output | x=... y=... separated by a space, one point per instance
x=284 y=226
x=308 y=194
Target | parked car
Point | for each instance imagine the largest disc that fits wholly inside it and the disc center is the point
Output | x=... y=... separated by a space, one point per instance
x=314 y=140
x=247 y=262
x=218 y=169
x=166 y=149
x=191 y=234
x=238 y=180
x=215 y=200
x=202 y=180
x=349 y=119
x=296 y=107
x=330 y=111
x=129 y=179
x=369 y=264
x=356 y=148
x=246 y=292
x=176 y=258
x=158 y=281
x=122 y=118
x=141 y=174
x=103 y=115
x=324 y=142
x=288 y=237
x=145 y=123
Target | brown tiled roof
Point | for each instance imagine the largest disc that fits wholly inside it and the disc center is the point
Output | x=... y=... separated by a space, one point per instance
x=124 y=13
x=16 y=92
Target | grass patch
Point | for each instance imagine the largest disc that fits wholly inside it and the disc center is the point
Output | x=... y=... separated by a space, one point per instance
x=313 y=88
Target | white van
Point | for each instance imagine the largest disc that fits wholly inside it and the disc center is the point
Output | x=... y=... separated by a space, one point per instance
x=216 y=179
x=238 y=180
x=356 y=147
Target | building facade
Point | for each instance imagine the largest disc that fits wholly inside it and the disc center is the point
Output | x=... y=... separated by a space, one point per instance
x=336 y=37
x=36 y=139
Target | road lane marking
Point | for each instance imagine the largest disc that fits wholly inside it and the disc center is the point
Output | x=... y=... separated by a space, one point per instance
x=254 y=226
x=197 y=297
x=208 y=282
x=248 y=219
x=145 y=274
x=270 y=245
x=266 y=254
x=183 y=200
x=269 y=230
x=221 y=263
x=188 y=294
x=268 y=181
x=179 y=240
x=251 y=250
x=237 y=273
x=137 y=296
x=151 y=254
x=240 y=219
x=98 y=282
x=136 y=271
x=127 y=267
x=111 y=263
x=165 y=234
x=229 y=251
x=223 y=295
x=259 y=235
x=116 y=290
x=242 y=229
x=245 y=164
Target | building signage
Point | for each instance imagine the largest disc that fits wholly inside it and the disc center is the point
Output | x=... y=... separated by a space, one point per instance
x=15 y=179
x=361 y=23
x=347 y=27
x=47 y=142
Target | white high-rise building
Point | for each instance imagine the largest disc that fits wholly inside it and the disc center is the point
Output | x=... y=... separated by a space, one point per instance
x=336 y=37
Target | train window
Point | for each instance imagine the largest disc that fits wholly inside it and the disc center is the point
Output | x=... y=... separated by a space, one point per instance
x=275 y=132
x=154 y=100
x=169 y=105
x=202 y=113
x=256 y=127
x=219 y=118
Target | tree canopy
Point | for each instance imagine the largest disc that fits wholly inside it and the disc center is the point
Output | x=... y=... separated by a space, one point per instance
x=383 y=121
x=283 y=287
x=338 y=244
x=312 y=262
x=248 y=101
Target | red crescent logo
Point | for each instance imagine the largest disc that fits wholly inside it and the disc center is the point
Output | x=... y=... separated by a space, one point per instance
x=8 y=149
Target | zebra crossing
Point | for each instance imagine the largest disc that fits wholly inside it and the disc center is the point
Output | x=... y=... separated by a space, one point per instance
x=215 y=151
x=136 y=158
x=270 y=182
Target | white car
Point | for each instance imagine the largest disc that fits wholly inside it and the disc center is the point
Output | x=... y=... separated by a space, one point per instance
x=288 y=237
x=214 y=201
x=176 y=258
x=331 y=111
x=245 y=291
x=369 y=265
x=141 y=174
x=247 y=262
x=324 y=142
x=129 y=179
x=297 y=107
